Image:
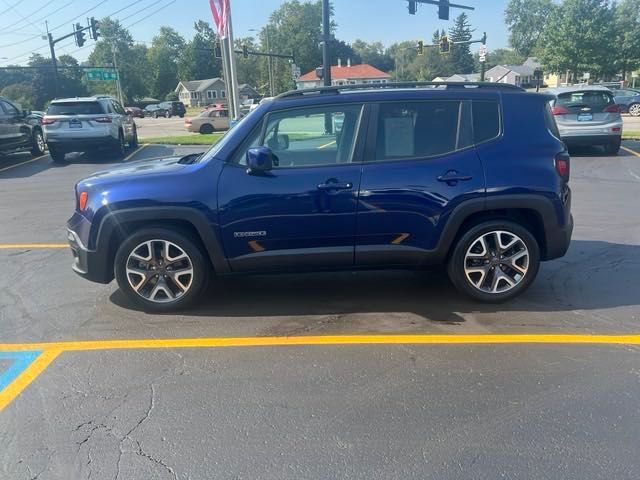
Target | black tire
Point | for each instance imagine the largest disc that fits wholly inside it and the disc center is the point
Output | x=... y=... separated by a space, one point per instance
x=200 y=264
x=133 y=143
x=182 y=115
x=37 y=143
x=120 y=148
x=207 y=128
x=612 y=148
x=56 y=155
x=167 y=115
x=456 y=265
x=155 y=114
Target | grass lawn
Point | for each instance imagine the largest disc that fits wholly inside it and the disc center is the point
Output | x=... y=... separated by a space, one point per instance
x=631 y=135
x=206 y=139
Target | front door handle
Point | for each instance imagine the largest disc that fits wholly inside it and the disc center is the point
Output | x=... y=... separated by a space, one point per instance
x=452 y=177
x=335 y=186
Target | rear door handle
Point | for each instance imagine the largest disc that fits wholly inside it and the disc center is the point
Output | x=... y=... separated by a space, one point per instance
x=335 y=186
x=452 y=177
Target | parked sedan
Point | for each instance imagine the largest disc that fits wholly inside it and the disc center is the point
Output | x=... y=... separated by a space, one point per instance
x=155 y=111
x=587 y=116
x=209 y=121
x=134 y=112
x=629 y=101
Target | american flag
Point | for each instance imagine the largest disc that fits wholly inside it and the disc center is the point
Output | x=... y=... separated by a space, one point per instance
x=220 y=10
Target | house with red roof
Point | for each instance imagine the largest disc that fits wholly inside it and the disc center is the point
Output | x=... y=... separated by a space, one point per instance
x=345 y=75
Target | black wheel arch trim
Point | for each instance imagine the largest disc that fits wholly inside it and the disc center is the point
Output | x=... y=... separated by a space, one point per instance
x=209 y=237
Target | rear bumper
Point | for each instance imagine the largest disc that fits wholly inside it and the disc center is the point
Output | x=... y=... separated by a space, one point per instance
x=71 y=144
x=558 y=240
x=593 y=139
x=87 y=263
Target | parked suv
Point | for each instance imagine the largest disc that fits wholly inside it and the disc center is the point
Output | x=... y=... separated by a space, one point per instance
x=588 y=116
x=473 y=176
x=174 y=108
x=19 y=130
x=83 y=124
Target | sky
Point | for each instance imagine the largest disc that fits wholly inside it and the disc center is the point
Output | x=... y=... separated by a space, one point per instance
x=22 y=22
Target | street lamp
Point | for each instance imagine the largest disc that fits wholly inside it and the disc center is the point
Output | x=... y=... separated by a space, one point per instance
x=269 y=60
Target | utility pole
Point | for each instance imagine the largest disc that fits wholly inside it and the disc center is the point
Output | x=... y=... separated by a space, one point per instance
x=326 y=38
x=54 y=61
x=269 y=61
x=114 y=50
x=483 y=64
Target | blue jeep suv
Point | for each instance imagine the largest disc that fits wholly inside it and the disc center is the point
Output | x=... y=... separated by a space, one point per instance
x=472 y=176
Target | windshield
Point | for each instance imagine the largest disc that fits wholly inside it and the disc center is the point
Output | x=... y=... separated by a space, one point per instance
x=596 y=100
x=74 y=108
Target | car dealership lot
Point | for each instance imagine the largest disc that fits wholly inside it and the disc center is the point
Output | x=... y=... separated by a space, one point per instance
x=406 y=407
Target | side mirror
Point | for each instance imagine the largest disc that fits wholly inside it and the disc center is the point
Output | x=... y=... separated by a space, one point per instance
x=259 y=159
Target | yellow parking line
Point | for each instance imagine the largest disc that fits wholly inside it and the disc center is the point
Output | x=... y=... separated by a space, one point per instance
x=90 y=345
x=128 y=157
x=27 y=376
x=326 y=144
x=23 y=163
x=32 y=246
x=632 y=152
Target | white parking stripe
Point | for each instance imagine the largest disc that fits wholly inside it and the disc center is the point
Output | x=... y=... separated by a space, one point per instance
x=23 y=163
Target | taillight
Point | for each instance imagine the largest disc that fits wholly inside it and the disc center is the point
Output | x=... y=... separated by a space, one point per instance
x=615 y=108
x=558 y=110
x=82 y=200
x=47 y=121
x=102 y=119
x=563 y=165
x=187 y=121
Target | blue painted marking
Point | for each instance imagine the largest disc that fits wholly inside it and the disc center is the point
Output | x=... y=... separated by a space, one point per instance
x=21 y=361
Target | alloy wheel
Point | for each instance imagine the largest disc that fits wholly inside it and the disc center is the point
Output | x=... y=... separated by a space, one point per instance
x=159 y=271
x=40 y=142
x=634 y=110
x=496 y=261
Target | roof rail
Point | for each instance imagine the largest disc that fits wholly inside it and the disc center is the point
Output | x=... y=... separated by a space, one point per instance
x=335 y=89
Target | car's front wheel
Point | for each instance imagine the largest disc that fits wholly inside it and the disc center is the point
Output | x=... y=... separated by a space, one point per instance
x=161 y=270
x=494 y=261
x=38 y=144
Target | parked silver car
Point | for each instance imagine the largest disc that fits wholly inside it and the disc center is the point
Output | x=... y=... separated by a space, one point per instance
x=587 y=115
x=85 y=123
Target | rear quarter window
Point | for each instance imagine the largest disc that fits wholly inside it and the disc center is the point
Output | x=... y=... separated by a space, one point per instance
x=486 y=120
x=75 y=108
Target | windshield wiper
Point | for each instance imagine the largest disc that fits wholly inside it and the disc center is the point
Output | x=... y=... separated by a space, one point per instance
x=191 y=158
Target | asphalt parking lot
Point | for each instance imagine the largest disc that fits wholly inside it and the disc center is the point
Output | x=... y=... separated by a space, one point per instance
x=351 y=375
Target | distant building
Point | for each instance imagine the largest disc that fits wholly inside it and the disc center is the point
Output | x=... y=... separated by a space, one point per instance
x=464 y=77
x=345 y=75
x=197 y=93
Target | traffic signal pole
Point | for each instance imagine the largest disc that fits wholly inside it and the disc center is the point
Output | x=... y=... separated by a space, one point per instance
x=326 y=38
x=54 y=62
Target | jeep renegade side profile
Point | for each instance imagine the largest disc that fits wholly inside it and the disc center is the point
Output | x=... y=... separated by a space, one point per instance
x=473 y=176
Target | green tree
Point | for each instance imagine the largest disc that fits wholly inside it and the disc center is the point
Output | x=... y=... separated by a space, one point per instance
x=578 y=38
x=460 y=56
x=131 y=58
x=197 y=61
x=248 y=69
x=166 y=48
x=526 y=20
x=627 y=40
x=21 y=93
x=374 y=54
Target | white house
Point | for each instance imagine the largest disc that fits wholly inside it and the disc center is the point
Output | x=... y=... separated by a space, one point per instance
x=345 y=75
x=197 y=93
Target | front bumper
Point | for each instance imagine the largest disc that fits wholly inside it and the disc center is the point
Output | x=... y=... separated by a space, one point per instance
x=89 y=264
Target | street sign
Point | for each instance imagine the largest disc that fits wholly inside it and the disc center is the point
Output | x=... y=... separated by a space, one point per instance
x=482 y=53
x=295 y=71
x=97 y=74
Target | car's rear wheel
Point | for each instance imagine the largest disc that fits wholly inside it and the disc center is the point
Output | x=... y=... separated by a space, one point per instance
x=120 y=147
x=133 y=143
x=634 y=109
x=155 y=114
x=161 y=270
x=494 y=261
x=613 y=147
x=206 y=128
x=56 y=155
x=38 y=144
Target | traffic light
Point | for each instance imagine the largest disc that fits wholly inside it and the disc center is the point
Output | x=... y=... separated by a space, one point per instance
x=413 y=6
x=80 y=35
x=420 y=47
x=445 y=45
x=443 y=10
x=95 y=28
x=217 y=50
x=245 y=51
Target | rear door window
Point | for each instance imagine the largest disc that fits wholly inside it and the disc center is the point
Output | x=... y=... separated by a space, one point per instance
x=75 y=108
x=418 y=129
x=595 y=100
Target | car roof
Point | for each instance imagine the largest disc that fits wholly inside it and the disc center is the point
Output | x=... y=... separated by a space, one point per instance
x=93 y=98
x=578 y=88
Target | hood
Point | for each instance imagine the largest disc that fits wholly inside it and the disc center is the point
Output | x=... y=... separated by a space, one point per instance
x=163 y=166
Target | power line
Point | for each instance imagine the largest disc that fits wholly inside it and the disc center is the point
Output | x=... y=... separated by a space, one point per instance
x=10 y=6
x=23 y=19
